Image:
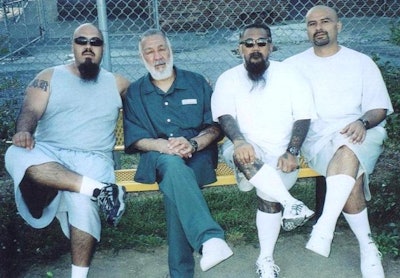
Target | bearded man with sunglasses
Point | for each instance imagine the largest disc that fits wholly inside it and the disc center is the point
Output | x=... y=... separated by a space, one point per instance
x=61 y=157
x=264 y=107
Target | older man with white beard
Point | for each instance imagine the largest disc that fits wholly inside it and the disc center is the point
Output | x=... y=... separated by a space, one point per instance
x=167 y=119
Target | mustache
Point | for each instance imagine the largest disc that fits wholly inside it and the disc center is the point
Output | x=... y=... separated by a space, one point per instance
x=88 y=51
x=158 y=63
x=319 y=33
x=255 y=55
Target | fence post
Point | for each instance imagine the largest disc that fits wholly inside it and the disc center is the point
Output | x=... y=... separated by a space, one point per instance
x=155 y=14
x=102 y=17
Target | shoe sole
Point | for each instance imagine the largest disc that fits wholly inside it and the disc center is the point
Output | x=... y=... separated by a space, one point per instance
x=225 y=256
x=291 y=224
x=121 y=199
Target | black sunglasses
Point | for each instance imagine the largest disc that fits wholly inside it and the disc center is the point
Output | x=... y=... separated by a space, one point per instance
x=261 y=42
x=95 y=41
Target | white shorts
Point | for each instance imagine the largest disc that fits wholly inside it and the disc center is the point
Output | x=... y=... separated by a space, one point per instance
x=367 y=153
x=288 y=179
x=70 y=208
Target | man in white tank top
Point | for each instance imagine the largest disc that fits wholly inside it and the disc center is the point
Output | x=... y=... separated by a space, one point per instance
x=61 y=157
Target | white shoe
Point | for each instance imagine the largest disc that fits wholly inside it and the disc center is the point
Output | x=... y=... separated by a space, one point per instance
x=266 y=268
x=215 y=251
x=242 y=183
x=371 y=265
x=295 y=215
x=320 y=243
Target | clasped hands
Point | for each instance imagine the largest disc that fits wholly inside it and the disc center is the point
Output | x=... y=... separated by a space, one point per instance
x=179 y=146
x=244 y=153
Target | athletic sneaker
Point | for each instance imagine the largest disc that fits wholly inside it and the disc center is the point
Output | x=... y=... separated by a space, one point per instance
x=295 y=215
x=266 y=268
x=371 y=265
x=111 y=200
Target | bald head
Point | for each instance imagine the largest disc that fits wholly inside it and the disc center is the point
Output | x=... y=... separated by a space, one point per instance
x=322 y=9
x=87 y=45
x=323 y=27
x=87 y=28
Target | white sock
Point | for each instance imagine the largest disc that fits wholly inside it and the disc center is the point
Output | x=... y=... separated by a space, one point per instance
x=359 y=224
x=88 y=185
x=268 y=227
x=79 y=271
x=270 y=183
x=338 y=189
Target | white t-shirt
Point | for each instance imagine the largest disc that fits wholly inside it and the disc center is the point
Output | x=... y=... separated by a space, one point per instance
x=265 y=115
x=345 y=86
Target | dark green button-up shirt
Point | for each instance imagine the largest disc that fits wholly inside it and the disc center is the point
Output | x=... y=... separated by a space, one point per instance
x=184 y=110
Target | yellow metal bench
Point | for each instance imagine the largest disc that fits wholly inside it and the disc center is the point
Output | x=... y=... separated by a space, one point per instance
x=225 y=175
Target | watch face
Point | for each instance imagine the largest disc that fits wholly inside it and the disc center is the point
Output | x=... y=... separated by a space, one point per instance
x=294 y=151
x=194 y=144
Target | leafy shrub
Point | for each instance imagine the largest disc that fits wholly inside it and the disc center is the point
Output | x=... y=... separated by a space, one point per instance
x=395 y=34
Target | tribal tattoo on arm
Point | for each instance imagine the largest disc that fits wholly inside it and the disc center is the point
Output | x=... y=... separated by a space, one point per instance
x=230 y=127
x=299 y=133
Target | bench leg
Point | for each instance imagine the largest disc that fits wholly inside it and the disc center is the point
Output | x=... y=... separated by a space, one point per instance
x=117 y=160
x=320 y=191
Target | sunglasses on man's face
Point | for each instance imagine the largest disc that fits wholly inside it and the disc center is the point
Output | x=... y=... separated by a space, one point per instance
x=261 y=42
x=95 y=41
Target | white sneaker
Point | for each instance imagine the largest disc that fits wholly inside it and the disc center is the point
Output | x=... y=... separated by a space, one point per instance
x=266 y=268
x=242 y=183
x=371 y=265
x=320 y=243
x=215 y=251
x=295 y=215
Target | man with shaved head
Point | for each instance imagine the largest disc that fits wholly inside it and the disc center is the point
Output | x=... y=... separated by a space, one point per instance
x=61 y=157
x=344 y=143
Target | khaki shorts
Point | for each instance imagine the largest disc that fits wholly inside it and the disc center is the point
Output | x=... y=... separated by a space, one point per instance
x=288 y=179
x=367 y=153
x=70 y=208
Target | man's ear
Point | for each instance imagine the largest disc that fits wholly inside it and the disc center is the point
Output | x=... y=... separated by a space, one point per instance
x=339 y=26
x=240 y=50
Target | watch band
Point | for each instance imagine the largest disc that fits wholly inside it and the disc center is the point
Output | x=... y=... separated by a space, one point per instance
x=194 y=144
x=293 y=150
x=365 y=123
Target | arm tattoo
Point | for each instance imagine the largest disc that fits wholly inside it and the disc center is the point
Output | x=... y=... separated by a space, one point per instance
x=213 y=130
x=230 y=127
x=39 y=83
x=299 y=132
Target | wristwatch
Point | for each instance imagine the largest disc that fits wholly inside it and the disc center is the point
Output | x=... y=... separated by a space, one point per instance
x=194 y=144
x=293 y=150
x=365 y=123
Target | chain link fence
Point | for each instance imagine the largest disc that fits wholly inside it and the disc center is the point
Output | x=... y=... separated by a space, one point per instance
x=35 y=34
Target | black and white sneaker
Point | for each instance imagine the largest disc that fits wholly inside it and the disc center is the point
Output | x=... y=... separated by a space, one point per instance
x=111 y=200
x=295 y=215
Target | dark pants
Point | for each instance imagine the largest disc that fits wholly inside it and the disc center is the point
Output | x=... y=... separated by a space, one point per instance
x=189 y=221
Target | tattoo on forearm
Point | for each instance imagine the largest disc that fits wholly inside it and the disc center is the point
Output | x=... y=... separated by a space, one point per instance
x=38 y=83
x=299 y=132
x=213 y=130
x=230 y=127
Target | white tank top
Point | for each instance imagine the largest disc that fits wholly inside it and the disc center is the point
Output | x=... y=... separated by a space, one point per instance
x=80 y=115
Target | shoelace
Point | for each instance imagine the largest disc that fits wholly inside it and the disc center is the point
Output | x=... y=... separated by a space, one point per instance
x=107 y=201
x=266 y=267
x=296 y=209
